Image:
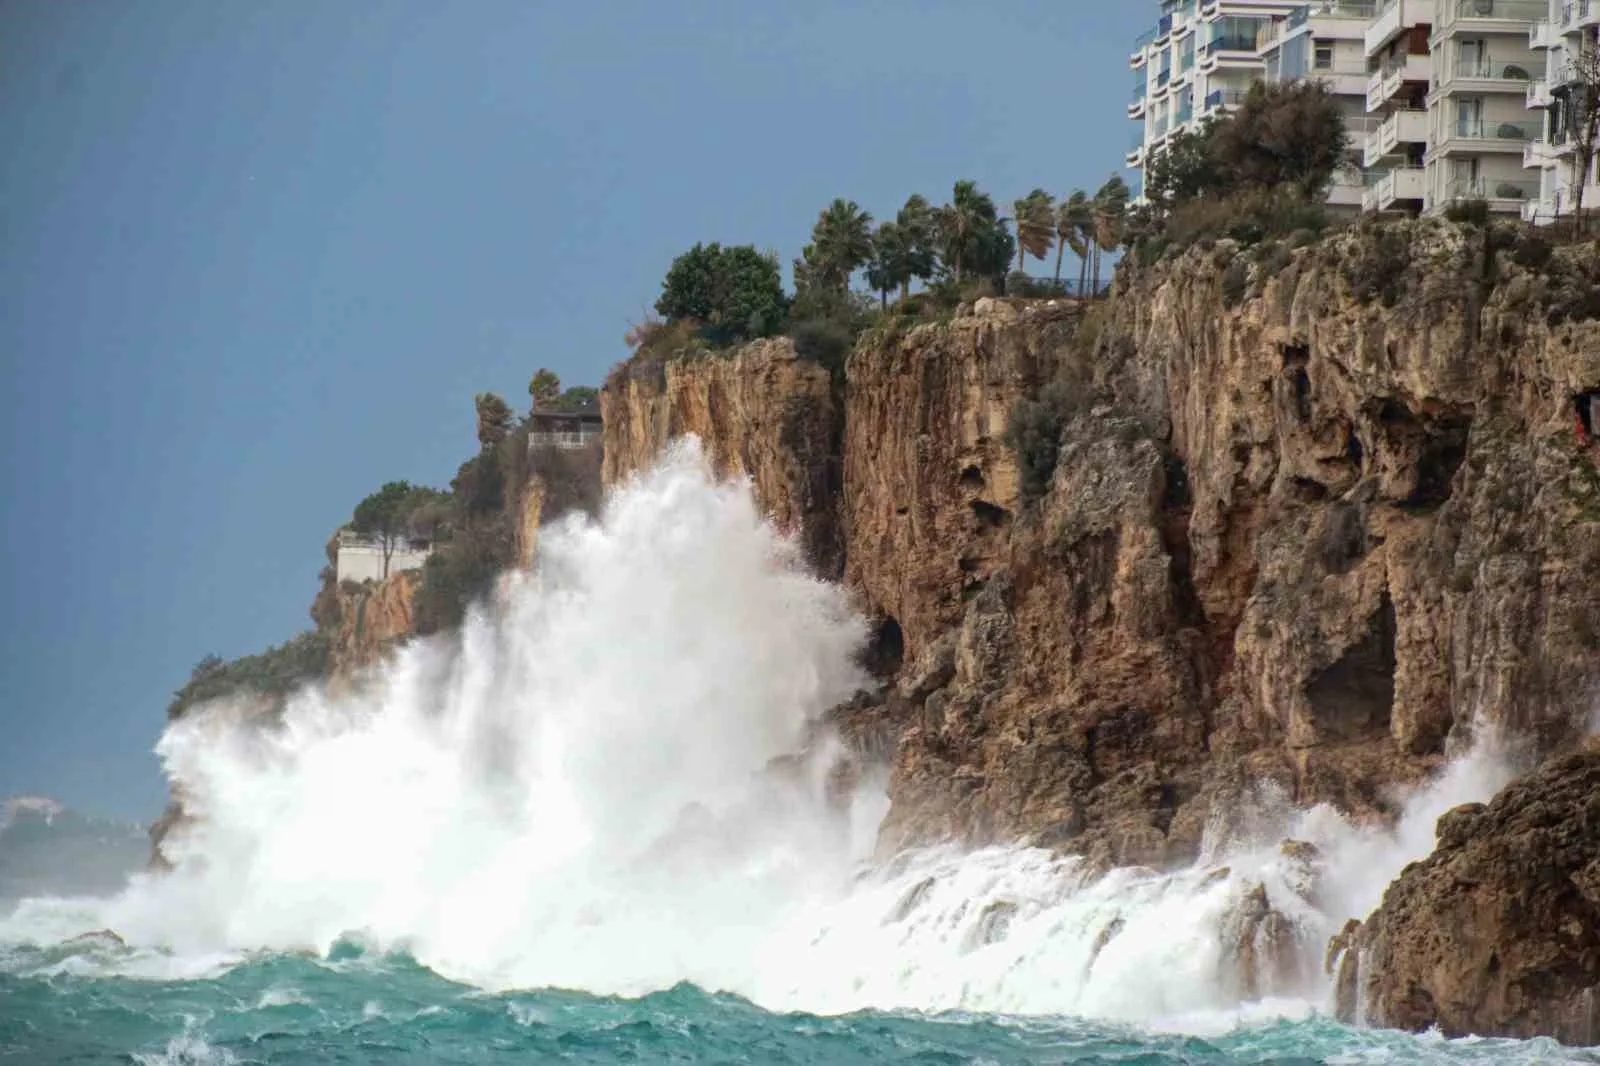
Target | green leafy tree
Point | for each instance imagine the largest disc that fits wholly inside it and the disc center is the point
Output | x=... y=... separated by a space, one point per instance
x=920 y=232
x=384 y=517
x=494 y=419
x=1284 y=134
x=545 y=387
x=841 y=242
x=1184 y=168
x=1036 y=226
x=733 y=293
x=1074 y=219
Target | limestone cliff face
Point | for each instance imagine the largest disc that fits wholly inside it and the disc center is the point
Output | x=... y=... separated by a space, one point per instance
x=1313 y=518
x=1498 y=931
x=763 y=413
x=371 y=618
x=930 y=485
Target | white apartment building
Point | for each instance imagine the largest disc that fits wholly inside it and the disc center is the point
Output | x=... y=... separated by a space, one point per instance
x=1566 y=28
x=1479 y=127
x=1436 y=93
x=1204 y=55
x=1451 y=86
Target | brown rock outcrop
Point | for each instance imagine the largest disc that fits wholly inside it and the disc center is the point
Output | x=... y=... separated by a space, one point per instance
x=763 y=413
x=372 y=617
x=1498 y=931
x=930 y=485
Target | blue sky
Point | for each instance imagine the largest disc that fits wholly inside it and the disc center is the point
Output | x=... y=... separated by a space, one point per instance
x=256 y=259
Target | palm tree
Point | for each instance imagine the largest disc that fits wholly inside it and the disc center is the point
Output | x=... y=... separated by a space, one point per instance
x=918 y=227
x=1036 y=226
x=841 y=242
x=965 y=224
x=1110 y=205
x=1071 y=217
x=888 y=269
x=1074 y=219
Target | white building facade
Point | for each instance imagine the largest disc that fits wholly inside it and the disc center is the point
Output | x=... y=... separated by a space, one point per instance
x=1565 y=30
x=1444 y=100
x=361 y=558
x=1204 y=55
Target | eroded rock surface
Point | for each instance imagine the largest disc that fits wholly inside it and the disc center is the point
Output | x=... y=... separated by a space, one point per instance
x=1498 y=931
x=1310 y=532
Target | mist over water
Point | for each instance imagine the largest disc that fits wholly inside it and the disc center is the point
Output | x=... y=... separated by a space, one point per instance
x=593 y=789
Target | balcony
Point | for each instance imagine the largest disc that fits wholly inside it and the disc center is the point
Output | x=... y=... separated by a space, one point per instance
x=1499 y=16
x=1477 y=136
x=1383 y=84
x=1222 y=99
x=1401 y=127
x=1536 y=154
x=1503 y=194
x=1135 y=156
x=1392 y=19
x=1539 y=93
x=1492 y=74
x=1342 y=79
x=1348 y=189
x=1401 y=183
x=1141 y=51
x=1543 y=35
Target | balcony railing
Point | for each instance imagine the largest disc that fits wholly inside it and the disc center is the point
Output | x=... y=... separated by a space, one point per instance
x=1231 y=42
x=1480 y=130
x=1503 y=10
x=1491 y=189
x=1224 y=98
x=1341 y=9
x=1487 y=68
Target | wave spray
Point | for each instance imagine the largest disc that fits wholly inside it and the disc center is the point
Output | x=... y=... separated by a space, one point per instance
x=595 y=787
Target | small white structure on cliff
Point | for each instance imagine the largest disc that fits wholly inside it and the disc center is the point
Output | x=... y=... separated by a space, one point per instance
x=361 y=558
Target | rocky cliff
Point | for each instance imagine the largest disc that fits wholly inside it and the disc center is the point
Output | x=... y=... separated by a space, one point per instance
x=1499 y=929
x=368 y=619
x=1307 y=515
x=762 y=413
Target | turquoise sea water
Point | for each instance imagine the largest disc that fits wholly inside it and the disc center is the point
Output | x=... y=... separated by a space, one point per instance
x=354 y=1008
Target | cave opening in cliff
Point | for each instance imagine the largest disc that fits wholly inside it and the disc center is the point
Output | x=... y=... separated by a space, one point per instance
x=1296 y=357
x=1353 y=699
x=1443 y=451
x=989 y=515
x=1584 y=409
x=886 y=649
x=972 y=477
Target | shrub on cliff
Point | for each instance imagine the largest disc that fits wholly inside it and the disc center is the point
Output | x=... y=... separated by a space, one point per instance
x=1248 y=217
x=1034 y=433
x=272 y=673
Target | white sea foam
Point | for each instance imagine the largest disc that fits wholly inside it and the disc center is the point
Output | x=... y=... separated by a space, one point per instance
x=580 y=793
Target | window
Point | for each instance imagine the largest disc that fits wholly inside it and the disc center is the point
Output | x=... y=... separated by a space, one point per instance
x=1324 y=57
